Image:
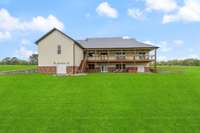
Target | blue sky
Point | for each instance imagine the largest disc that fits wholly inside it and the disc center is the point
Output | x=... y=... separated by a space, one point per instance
x=173 y=25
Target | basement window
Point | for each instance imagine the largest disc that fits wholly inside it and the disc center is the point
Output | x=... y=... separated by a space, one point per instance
x=120 y=66
x=91 y=66
x=58 y=49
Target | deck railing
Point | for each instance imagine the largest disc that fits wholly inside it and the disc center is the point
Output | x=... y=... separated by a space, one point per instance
x=122 y=58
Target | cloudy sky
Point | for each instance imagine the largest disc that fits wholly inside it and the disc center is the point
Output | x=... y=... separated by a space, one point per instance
x=173 y=25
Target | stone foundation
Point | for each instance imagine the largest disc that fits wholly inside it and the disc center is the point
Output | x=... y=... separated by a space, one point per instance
x=113 y=69
x=52 y=69
x=75 y=69
x=72 y=70
x=132 y=69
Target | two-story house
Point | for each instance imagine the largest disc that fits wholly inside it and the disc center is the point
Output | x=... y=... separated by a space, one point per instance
x=61 y=54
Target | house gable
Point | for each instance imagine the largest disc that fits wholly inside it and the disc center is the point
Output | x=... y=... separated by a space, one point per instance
x=63 y=34
x=48 y=50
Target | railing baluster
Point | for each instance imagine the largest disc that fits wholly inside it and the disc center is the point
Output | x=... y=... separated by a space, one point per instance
x=122 y=57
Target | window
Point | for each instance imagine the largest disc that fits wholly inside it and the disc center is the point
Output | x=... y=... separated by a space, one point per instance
x=91 y=66
x=142 y=55
x=121 y=55
x=104 y=53
x=123 y=66
x=90 y=54
x=120 y=66
x=59 y=49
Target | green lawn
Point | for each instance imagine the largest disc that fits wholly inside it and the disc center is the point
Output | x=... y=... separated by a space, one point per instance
x=102 y=103
x=16 y=67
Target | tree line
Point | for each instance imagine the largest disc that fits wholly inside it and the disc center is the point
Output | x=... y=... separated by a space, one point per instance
x=33 y=60
x=185 y=62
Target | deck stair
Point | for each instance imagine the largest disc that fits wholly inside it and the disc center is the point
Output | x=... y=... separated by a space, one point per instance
x=83 y=65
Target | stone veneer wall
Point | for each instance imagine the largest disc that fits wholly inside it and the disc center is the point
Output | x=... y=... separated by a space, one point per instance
x=69 y=70
x=113 y=69
x=47 y=69
x=52 y=69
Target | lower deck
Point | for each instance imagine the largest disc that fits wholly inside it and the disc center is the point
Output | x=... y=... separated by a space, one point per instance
x=88 y=67
x=117 y=67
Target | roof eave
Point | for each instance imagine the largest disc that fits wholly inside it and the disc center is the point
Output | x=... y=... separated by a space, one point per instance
x=124 y=48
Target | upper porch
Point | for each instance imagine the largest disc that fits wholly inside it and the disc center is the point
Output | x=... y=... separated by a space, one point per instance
x=120 y=55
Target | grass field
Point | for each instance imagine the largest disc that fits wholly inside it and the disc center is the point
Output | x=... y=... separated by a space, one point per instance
x=102 y=103
x=15 y=67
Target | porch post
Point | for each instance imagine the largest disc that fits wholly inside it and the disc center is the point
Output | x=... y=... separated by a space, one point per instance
x=108 y=55
x=121 y=60
x=155 y=60
x=95 y=62
x=134 y=56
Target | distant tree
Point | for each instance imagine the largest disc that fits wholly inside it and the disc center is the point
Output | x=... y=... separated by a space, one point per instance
x=6 y=60
x=33 y=59
x=185 y=62
x=13 y=61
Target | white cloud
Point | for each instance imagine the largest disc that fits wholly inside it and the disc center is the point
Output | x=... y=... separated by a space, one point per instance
x=126 y=37
x=24 y=53
x=167 y=46
x=188 y=13
x=173 y=49
x=162 y=58
x=44 y=24
x=164 y=45
x=38 y=23
x=194 y=56
x=149 y=42
x=105 y=9
x=161 y=5
x=190 y=56
x=5 y=36
x=136 y=13
x=191 y=50
x=169 y=18
x=178 y=42
x=25 y=42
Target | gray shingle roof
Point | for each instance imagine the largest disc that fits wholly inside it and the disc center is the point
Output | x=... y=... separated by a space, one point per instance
x=114 y=42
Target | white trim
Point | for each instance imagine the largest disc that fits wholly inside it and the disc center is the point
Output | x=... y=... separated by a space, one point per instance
x=61 y=69
x=140 y=68
x=104 y=68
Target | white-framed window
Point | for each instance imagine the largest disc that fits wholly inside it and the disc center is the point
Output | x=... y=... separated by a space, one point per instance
x=91 y=66
x=120 y=66
x=59 y=49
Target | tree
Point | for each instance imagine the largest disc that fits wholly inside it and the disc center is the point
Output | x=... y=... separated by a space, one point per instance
x=13 y=61
x=6 y=60
x=185 y=62
x=33 y=59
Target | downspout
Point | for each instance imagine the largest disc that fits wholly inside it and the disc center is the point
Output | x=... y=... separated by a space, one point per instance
x=74 y=58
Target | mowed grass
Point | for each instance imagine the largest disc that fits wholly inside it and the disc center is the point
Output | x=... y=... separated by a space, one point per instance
x=16 y=67
x=101 y=103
